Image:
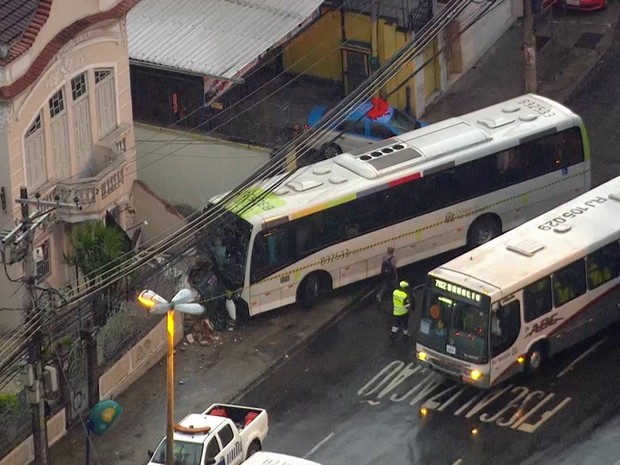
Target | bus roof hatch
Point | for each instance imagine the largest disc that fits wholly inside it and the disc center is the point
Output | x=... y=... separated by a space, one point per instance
x=448 y=140
x=527 y=247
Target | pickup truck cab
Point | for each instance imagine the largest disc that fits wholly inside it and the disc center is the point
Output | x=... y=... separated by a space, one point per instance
x=223 y=434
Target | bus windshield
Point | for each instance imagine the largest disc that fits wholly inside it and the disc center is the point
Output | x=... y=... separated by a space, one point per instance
x=455 y=321
x=226 y=239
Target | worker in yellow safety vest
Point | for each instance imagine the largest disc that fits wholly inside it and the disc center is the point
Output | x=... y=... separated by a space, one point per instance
x=401 y=301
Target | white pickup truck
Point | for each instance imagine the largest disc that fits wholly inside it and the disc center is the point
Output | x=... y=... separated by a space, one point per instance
x=222 y=435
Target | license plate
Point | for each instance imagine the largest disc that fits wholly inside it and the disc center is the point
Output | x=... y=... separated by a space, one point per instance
x=572 y=2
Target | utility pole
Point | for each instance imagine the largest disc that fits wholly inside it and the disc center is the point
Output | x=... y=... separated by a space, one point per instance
x=19 y=244
x=36 y=393
x=529 y=48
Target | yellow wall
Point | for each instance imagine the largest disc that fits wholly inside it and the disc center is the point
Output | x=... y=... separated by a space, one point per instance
x=357 y=27
x=391 y=40
x=316 y=51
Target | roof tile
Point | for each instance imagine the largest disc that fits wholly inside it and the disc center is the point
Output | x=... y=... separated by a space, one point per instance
x=54 y=45
x=20 y=23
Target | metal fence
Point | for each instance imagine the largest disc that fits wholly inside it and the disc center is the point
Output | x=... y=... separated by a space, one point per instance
x=123 y=328
x=15 y=423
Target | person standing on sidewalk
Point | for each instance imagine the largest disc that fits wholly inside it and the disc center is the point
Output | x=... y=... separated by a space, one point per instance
x=402 y=303
x=389 y=273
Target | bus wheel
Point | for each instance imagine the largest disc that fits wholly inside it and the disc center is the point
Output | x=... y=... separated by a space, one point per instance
x=535 y=360
x=483 y=230
x=331 y=150
x=309 y=291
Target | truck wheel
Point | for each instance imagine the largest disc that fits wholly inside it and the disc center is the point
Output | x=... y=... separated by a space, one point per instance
x=253 y=449
x=331 y=150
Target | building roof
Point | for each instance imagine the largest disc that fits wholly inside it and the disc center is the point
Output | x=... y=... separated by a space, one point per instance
x=218 y=38
x=38 y=65
x=20 y=22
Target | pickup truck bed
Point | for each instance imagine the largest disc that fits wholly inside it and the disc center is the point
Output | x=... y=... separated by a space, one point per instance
x=240 y=416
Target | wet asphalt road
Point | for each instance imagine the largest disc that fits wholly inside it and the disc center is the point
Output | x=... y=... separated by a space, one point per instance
x=352 y=397
x=597 y=103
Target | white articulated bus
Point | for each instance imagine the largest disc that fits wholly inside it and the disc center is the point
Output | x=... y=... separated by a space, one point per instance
x=507 y=305
x=460 y=181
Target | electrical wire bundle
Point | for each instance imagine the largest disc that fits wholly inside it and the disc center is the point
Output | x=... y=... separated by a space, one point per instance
x=274 y=173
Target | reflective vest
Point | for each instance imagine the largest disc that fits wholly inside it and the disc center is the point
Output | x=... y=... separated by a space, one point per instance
x=400 y=299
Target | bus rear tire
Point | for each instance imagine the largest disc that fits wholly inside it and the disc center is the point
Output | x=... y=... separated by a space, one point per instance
x=310 y=290
x=535 y=360
x=482 y=230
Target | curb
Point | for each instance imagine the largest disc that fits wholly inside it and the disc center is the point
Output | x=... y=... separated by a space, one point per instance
x=356 y=300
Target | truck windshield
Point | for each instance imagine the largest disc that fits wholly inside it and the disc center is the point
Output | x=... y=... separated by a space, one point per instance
x=455 y=321
x=185 y=453
x=226 y=240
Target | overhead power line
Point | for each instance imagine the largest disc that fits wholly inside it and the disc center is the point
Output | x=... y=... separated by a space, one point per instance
x=183 y=239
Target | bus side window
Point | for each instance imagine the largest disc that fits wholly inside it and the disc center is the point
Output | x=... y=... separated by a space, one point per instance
x=476 y=177
x=570 y=145
x=537 y=299
x=603 y=265
x=505 y=327
x=510 y=168
x=441 y=189
x=569 y=283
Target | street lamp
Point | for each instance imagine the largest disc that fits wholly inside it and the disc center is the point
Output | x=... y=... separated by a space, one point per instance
x=157 y=305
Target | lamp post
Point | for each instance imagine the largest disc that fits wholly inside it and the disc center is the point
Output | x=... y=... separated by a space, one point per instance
x=156 y=304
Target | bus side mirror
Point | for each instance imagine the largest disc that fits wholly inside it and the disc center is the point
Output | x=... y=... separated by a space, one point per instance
x=150 y=452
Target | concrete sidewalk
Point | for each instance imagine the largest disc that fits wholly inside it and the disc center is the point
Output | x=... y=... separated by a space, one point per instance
x=218 y=371
x=571 y=44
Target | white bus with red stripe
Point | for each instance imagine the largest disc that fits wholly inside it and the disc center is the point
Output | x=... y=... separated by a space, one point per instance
x=508 y=305
x=460 y=181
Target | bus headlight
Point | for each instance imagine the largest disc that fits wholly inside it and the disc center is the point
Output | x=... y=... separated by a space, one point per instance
x=475 y=375
x=422 y=356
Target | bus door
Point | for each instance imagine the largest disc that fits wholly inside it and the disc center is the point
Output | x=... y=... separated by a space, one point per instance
x=505 y=329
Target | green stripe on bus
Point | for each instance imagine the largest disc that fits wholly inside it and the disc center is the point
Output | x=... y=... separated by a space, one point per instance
x=586 y=141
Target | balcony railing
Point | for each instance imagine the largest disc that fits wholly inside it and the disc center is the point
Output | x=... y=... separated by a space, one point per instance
x=92 y=195
x=103 y=184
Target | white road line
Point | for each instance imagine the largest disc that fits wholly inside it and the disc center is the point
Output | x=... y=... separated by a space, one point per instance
x=574 y=362
x=617 y=463
x=458 y=462
x=315 y=448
